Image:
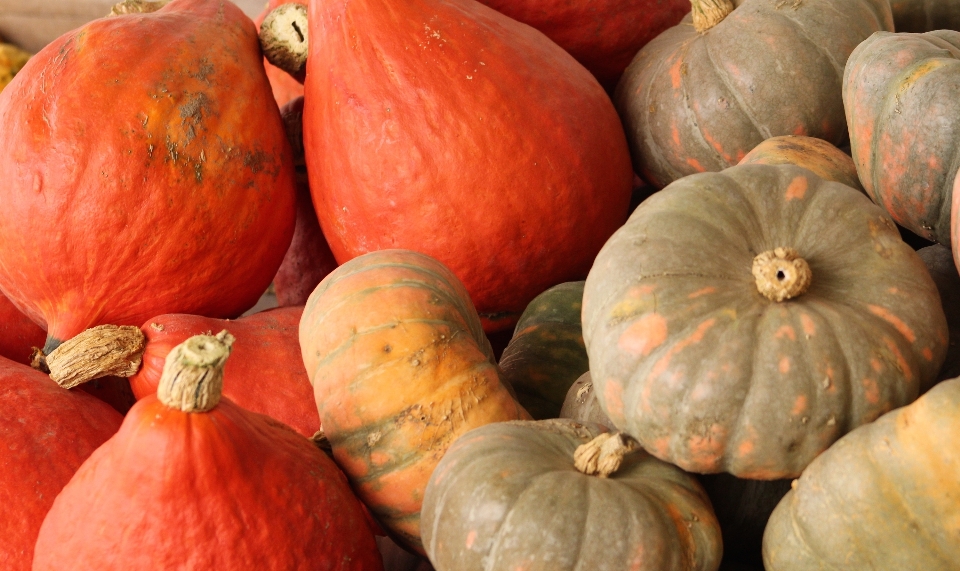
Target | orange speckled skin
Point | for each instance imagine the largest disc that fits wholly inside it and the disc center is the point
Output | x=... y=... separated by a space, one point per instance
x=45 y=434
x=285 y=87
x=700 y=102
x=817 y=155
x=207 y=491
x=507 y=497
x=603 y=35
x=886 y=497
x=264 y=374
x=18 y=334
x=400 y=368
x=900 y=92
x=445 y=127
x=691 y=360
x=136 y=181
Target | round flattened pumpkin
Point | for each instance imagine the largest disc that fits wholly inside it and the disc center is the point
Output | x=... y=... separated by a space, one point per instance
x=400 y=368
x=825 y=160
x=886 y=497
x=900 y=94
x=135 y=180
x=448 y=128
x=694 y=102
x=688 y=357
x=494 y=503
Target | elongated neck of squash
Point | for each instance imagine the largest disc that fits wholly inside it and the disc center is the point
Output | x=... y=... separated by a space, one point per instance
x=192 y=379
x=708 y=13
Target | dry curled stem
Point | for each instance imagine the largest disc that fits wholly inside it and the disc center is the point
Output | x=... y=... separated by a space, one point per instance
x=102 y=351
x=284 y=40
x=137 y=7
x=603 y=455
x=781 y=274
x=708 y=13
x=192 y=379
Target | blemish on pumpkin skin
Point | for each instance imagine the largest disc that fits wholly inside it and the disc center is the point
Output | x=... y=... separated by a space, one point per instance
x=702 y=291
x=892 y=319
x=745 y=448
x=695 y=337
x=902 y=364
x=645 y=335
x=876 y=365
x=696 y=165
x=797 y=189
x=471 y=537
x=706 y=450
x=809 y=327
x=785 y=331
x=613 y=397
x=927 y=353
x=871 y=392
x=784 y=365
x=675 y=73
x=799 y=405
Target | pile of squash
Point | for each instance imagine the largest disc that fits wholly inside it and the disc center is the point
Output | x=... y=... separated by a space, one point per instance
x=658 y=285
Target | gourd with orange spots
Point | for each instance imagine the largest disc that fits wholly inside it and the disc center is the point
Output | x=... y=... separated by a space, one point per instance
x=743 y=321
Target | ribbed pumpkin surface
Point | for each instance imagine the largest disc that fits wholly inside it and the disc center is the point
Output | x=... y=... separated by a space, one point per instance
x=886 y=497
x=690 y=359
x=400 y=368
x=825 y=160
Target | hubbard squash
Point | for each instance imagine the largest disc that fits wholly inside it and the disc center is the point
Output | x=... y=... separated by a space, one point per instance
x=885 y=497
x=900 y=95
x=135 y=181
x=725 y=333
x=494 y=504
x=45 y=434
x=197 y=483
x=825 y=160
x=400 y=369
x=18 y=334
x=705 y=92
x=448 y=128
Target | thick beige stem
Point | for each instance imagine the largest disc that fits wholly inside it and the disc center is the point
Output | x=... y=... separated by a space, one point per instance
x=192 y=379
x=781 y=274
x=105 y=350
x=137 y=7
x=284 y=40
x=708 y=13
x=603 y=455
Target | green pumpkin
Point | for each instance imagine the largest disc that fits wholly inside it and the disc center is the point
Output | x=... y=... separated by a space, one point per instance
x=546 y=354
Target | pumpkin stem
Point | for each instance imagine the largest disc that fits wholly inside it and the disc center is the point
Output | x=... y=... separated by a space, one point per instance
x=105 y=350
x=283 y=38
x=192 y=379
x=781 y=274
x=603 y=455
x=137 y=7
x=321 y=441
x=708 y=13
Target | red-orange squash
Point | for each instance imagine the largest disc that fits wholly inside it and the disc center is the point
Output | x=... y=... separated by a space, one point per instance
x=45 y=434
x=900 y=95
x=18 y=334
x=135 y=180
x=400 y=369
x=743 y=321
x=705 y=92
x=265 y=373
x=197 y=483
x=603 y=35
x=448 y=128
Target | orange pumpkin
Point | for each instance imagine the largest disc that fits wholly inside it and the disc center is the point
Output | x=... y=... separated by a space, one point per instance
x=18 y=334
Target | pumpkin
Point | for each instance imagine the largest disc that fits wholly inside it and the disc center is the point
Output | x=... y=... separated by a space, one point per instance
x=12 y=60
x=546 y=354
x=493 y=505
x=705 y=92
x=885 y=497
x=925 y=15
x=582 y=405
x=285 y=87
x=18 y=334
x=825 y=160
x=899 y=90
x=400 y=368
x=135 y=181
x=603 y=36
x=939 y=262
x=265 y=373
x=45 y=434
x=727 y=335
x=448 y=128
x=193 y=481
x=308 y=258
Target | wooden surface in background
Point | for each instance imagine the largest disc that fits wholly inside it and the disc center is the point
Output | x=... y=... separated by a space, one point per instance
x=32 y=24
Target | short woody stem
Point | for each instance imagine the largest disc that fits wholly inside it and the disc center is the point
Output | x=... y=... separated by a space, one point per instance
x=781 y=274
x=105 y=350
x=284 y=40
x=603 y=455
x=192 y=379
x=708 y=13
x=137 y=7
